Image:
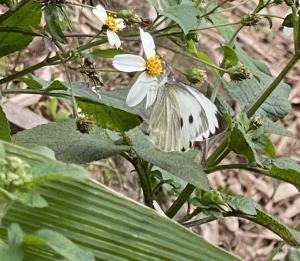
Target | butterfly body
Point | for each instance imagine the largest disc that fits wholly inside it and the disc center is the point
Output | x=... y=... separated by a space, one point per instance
x=180 y=116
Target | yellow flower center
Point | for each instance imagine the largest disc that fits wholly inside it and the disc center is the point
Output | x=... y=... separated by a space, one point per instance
x=154 y=66
x=112 y=24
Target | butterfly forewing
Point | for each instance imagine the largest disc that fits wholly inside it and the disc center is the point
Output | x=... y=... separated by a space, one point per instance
x=180 y=116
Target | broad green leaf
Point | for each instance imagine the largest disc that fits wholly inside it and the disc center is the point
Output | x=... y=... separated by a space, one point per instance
x=110 y=226
x=109 y=117
x=13 y=251
x=163 y=4
x=4 y=127
x=241 y=204
x=246 y=92
x=230 y=56
x=241 y=143
x=179 y=164
x=107 y=53
x=184 y=15
x=274 y=128
x=43 y=168
x=54 y=24
x=293 y=255
x=63 y=246
x=28 y=16
x=286 y=169
x=69 y=144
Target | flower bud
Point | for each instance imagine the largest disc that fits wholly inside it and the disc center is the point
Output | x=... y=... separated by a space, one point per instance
x=129 y=16
x=195 y=75
x=83 y=125
x=13 y=173
x=250 y=20
x=239 y=73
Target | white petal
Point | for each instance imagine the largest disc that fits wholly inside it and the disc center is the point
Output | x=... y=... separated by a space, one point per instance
x=129 y=63
x=151 y=95
x=113 y=39
x=120 y=23
x=100 y=13
x=148 y=43
x=140 y=88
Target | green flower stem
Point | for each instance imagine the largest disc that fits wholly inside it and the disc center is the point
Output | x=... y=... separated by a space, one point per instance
x=181 y=199
x=237 y=166
x=13 y=29
x=144 y=181
x=48 y=62
x=213 y=10
x=251 y=111
x=200 y=29
x=195 y=58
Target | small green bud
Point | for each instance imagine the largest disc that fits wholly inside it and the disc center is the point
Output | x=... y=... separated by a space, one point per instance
x=13 y=173
x=239 y=73
x=195 y=75
x=255 y=123
x=193 y=36
x=250 y=20
x=129 y=16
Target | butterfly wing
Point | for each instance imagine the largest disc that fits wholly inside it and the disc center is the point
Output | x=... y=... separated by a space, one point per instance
x=164 y=124
x=180 y=116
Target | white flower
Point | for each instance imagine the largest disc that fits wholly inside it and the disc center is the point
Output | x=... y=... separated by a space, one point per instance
x=151 y=67
x=112 y=24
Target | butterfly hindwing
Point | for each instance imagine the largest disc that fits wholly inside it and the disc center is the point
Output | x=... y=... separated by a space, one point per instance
x=180 y=116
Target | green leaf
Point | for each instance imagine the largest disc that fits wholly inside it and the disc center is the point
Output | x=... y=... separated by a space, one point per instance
x=184 y=15
x=53 y=22
x=32 y=199
x=109 y=117
x=110 y=226
x=63 y=246
x=181 y=165
x=36 y=83
x=241 y=143
x=28 y=16
x=269 y=146
x=43 y=168
x=4 y=127
x=246 y=92
x=230 y=56
x=9 y=253
x=107 y=53
x=272 y=127
x=288 y=21
x=241 y=204
x=293 y=255
x=163 y=4
x=14 y=250
x=286 y=169
x=69 y=144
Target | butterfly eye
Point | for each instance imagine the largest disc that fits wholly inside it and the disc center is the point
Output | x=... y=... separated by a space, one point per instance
x=191 y=119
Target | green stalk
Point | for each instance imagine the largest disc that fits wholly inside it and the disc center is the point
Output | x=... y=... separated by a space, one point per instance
x=48 y=62
x=251 y=111
x=144 y=181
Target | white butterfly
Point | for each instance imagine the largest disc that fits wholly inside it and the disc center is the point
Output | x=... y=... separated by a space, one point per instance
x=180 y=116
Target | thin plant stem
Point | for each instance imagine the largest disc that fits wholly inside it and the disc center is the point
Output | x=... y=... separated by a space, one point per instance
x=213 y=10
x=275 y=251
x=144 y=181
